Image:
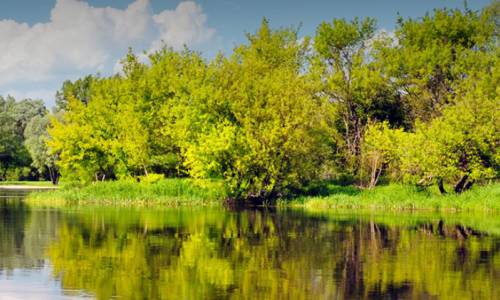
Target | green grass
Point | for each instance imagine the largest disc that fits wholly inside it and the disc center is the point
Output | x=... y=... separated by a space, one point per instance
x=167 y=192
x=400 y=197
x=188 y=192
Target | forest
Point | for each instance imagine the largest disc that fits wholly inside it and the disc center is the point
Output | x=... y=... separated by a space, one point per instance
x=353 y=104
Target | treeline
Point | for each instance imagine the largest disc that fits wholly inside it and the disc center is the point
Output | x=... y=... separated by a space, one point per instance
x=23 y=131
x=352 y=103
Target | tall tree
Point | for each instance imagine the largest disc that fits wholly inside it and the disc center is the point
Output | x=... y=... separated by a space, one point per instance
x=267 y=135
x=461 y=146
x=14 y=117
x=430 y=56
x=80 y=89
x=36 y=137
x=353 y=83
x=103 y=138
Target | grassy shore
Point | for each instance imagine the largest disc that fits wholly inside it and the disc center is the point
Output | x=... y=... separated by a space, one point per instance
x=400 y=197
x=167 y=192
x=187 y=192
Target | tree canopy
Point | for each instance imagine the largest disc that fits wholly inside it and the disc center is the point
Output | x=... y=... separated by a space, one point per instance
x=283 y=111
x=15 y=116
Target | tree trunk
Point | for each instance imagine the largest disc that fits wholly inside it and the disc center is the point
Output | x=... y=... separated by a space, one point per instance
x=441 y=186
x=55 y=179
x=376 y=172
x=51 y=176
x=373 y=177
x=468 y=185
x=459 y=187
x=352 y=135
x=54 y=175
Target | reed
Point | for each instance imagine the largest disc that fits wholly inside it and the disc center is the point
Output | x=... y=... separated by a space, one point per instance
x=168 y=192
x=401 y=197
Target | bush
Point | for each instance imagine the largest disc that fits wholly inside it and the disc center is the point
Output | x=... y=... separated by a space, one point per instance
x=151 y=178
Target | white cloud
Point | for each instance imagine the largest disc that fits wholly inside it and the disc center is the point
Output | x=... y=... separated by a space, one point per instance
x=184 y=26
x=81 y=39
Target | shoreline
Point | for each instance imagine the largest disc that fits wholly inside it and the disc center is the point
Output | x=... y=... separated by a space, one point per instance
x=17 y=187
x=183 y=192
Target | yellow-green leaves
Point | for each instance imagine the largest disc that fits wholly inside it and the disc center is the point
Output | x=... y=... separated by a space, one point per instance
x=264 y=130
x=279 y=113
x=104 y=138
x=382 y=151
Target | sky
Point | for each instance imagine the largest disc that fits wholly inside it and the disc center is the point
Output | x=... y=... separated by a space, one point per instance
x=44 y=42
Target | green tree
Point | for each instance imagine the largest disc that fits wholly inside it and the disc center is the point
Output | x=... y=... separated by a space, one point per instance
x=269 y=135
x=102 y=139
x=36 y=137
x=445 y=66
x=461 y=146
x=279 y=112
x=79 y=89
x=173 y=98
x=381 y=153
x=353 y=82
x=430 y=56
x=14 y=117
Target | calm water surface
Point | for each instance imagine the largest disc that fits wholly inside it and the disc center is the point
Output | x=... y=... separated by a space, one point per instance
x=109 y=253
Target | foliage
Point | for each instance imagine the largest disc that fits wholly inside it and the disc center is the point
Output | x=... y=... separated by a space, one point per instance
x=447 y=66
x=36 y=137
x=462 y=145
x=104 y=138
x=14 y=117
x=433 y=54
x=174 y=101
x=381 y=152
x=353 y=82
x=272 y=135
x=151 y=178
x=180 y=113
x=280 y=114
x=80 y=90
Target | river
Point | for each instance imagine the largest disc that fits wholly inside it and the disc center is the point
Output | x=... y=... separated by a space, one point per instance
x=213 y=253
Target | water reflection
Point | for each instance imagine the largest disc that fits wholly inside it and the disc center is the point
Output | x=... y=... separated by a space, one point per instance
x=214 y=254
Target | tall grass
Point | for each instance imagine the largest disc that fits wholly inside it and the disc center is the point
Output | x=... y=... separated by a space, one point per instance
x=188 y=192
x=401 y=197
x=168 y=192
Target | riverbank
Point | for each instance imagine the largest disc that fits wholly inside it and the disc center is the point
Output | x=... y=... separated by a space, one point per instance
x=188 y=192
x=166 y=192
x=401 y=197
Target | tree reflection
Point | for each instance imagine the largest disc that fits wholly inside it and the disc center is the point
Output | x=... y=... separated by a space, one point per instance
x=261 y=254
x=24 y=235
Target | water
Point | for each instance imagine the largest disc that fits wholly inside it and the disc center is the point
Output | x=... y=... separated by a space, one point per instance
x=104 y=253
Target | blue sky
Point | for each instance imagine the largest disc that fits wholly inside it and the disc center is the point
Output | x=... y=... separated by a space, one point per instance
x=44 y=42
